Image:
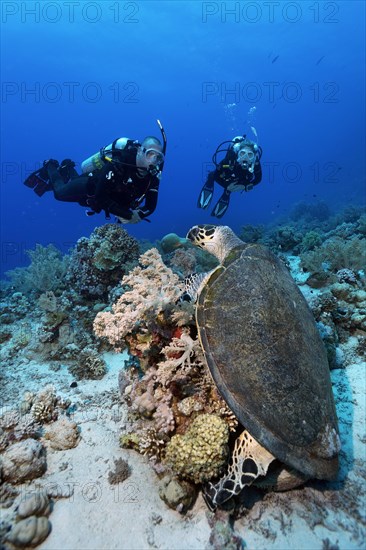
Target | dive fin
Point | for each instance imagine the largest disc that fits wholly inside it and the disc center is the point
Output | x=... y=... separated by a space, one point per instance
x=205 y=197
x=35 y=182
x=222 y=205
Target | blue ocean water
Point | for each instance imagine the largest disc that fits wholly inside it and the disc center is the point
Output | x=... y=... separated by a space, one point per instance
x=77 y=75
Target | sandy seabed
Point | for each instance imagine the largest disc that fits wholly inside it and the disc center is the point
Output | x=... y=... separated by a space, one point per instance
x=90 y=513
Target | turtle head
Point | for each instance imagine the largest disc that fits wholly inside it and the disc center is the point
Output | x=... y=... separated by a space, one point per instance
x=219 y=240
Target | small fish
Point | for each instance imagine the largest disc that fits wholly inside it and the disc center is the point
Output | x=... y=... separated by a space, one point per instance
x=275 y=59
x=320 y=59
x=314 y=195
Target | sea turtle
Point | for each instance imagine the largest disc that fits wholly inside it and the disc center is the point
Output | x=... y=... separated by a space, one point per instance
x=268 y=361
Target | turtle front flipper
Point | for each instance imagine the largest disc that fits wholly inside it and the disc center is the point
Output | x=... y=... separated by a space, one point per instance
x=193 y=284
x=249 y=461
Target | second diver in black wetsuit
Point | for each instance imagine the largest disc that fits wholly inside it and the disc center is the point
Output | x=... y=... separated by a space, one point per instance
x=240 y=170
x=122 y=179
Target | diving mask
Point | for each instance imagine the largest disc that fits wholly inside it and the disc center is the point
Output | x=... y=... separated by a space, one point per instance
x=153 y=156
x=246 y=158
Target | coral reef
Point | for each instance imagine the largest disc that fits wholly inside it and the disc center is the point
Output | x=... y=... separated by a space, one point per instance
x=97 y=263
x=308 y=212
x=252 y=233
x=21 y=429
x=30 y=531
x=89 y=365
x=171 y=241
x=201 y=453
x=176 y=418
x=336 y=254
x=23 y=461
x=46 y=272
x=62 y=434
x=171 y=385
x=177 y=494
x=153 y=289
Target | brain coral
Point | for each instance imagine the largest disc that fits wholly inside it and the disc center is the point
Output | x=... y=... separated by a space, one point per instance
x=201 y=453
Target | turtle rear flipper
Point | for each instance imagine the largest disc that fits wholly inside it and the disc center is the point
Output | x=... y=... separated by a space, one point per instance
x=249 y=461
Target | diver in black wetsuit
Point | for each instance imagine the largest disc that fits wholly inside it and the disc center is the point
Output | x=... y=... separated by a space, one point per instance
x=240 y=170
x=117 y=180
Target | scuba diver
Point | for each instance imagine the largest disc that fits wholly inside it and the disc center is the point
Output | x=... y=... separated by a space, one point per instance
x=240 y=170
x=117 y=179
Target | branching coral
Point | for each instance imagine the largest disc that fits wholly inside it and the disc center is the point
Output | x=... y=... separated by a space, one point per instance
x=89 y=366
x=43 y=407
x=183 y=314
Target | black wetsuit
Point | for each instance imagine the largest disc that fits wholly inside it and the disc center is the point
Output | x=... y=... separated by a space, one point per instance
x=232 y=177
x=116 y=188
x=230 y=173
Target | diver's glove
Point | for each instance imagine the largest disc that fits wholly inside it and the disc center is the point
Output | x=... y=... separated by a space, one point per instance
x=135 y=217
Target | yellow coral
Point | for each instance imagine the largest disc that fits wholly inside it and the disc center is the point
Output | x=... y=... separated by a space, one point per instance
x=202 y=452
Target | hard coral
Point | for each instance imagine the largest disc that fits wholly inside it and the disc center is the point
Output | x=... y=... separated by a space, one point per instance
x=98 y=263
x=62 y=434
x=172 y=241
x=183 y=262
x=43 y=408
x=252 y=233
x=202 y=452
x=346 y=276
x=90 y=366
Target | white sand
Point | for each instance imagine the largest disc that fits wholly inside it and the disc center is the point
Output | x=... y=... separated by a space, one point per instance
x=131 y=515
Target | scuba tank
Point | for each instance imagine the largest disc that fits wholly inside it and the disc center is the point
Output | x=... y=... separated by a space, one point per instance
x=98 y=160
